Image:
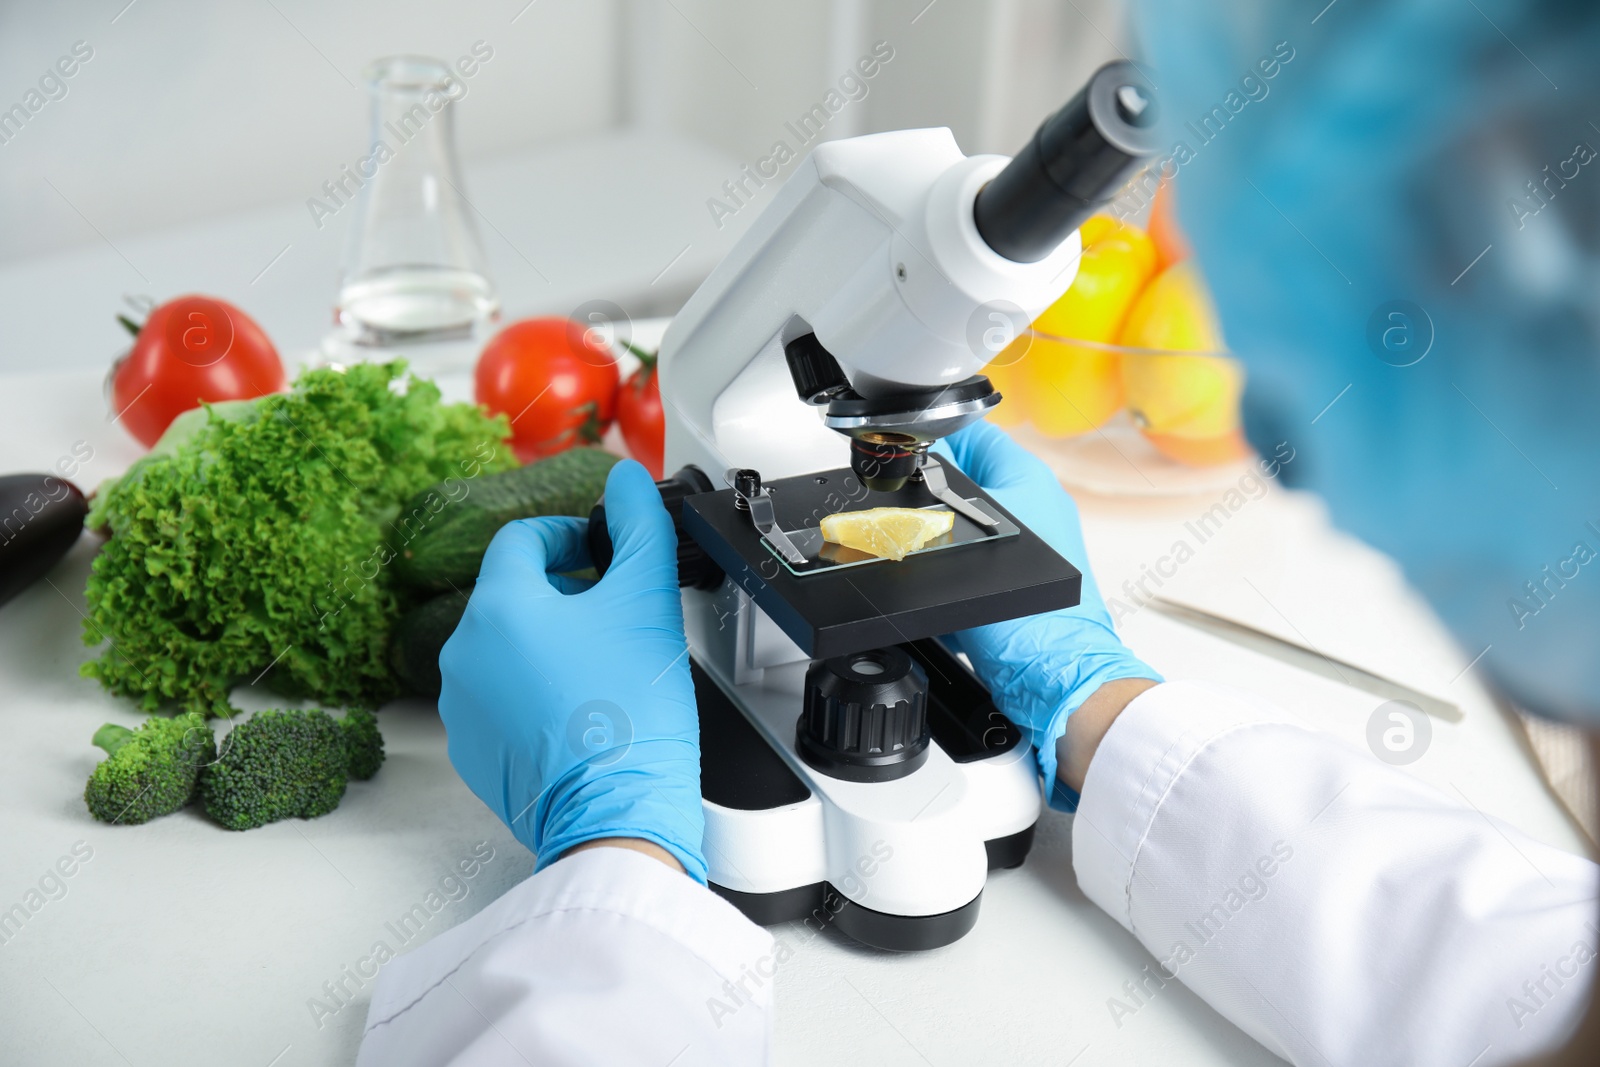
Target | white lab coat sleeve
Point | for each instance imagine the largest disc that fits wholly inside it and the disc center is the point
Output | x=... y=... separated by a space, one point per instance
x=1337 y=909
x=608 y=956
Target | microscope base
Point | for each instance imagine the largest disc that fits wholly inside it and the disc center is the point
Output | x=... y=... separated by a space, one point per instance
x=820 y=904
x=785 y=843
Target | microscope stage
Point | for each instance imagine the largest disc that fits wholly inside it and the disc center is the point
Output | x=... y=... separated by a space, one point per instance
x=841 y=601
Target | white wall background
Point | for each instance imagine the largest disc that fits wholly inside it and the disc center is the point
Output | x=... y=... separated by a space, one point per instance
x=183 y=153
x=189 y=109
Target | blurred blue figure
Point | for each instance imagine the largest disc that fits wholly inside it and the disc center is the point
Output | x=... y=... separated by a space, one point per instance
x=1397 y=205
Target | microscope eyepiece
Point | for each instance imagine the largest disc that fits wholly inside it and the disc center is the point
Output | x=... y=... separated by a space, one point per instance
x=1077 y=160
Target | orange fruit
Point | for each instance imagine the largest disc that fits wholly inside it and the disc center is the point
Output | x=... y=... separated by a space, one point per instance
x=1174 y=313
x=1201 y=451
x=1095 y=227
x=1111 y=274
x=1171 y=244
x=1071 y=388
x=1182 y=396
x=1068 y=388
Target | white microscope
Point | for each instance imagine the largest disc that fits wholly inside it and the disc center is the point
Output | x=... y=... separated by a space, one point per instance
x=853 y=769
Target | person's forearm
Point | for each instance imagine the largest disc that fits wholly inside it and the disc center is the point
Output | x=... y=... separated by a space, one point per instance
x=1089 y=724
x=1237 y=844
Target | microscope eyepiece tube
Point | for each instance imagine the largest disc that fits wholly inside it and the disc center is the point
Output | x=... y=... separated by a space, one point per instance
x=1075 y=162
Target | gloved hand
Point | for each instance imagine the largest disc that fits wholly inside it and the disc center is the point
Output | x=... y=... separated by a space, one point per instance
x=569 y=705
x=1041 y=668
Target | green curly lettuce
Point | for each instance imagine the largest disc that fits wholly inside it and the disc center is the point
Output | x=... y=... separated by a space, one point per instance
x=255 y=540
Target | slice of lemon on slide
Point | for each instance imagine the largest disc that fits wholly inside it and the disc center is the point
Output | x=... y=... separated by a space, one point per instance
x=893 y=533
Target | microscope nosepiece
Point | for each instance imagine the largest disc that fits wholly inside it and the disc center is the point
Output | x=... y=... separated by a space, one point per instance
x=889 y=433
x=883 y=466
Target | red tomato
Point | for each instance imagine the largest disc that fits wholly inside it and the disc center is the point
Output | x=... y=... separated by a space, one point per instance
x=554 y=378
x=639 y=414
x=192 y=349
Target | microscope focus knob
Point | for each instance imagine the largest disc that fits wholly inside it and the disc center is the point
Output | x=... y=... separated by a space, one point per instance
x=865 y=716
x=747 y=482
x=696 y=569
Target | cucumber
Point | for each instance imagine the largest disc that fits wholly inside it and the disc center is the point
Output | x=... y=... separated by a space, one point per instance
x=441 y=546
x=418 y=638
x=41 y=516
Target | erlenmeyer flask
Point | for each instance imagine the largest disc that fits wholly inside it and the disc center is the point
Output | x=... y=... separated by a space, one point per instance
x=415 y=269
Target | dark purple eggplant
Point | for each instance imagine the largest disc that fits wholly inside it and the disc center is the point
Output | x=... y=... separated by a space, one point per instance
x=41 y=516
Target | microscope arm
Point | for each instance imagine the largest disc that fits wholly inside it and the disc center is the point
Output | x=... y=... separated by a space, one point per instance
x=872 y=246
x=885 y=248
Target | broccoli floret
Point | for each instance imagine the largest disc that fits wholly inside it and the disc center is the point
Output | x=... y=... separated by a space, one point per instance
x=288 y=764
x=363 y=743
x=148 y=772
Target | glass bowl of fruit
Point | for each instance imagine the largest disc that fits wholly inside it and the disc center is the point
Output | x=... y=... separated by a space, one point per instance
x=1125 y=385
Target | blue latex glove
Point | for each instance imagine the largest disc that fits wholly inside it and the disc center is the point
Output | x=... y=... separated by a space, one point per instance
x=569 y=705
x=1040 y=669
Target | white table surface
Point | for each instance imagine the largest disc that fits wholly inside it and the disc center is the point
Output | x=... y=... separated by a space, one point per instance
x=181 y=943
